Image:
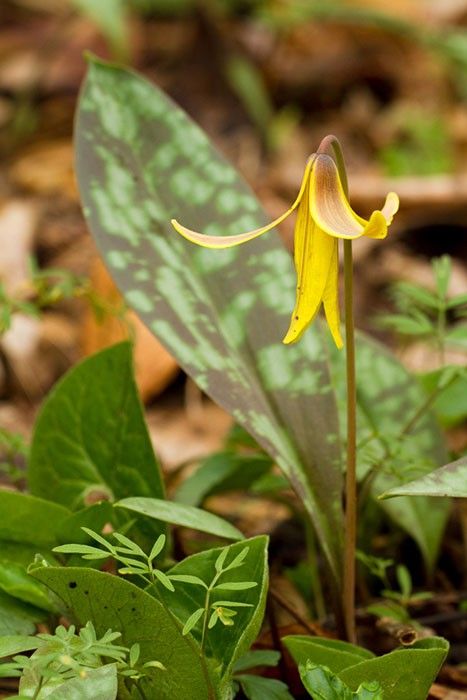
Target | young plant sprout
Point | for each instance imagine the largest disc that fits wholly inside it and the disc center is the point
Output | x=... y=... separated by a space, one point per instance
x=324 y=215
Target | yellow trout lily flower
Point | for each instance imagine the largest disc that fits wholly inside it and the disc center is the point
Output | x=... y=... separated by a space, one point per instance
x=324 y=215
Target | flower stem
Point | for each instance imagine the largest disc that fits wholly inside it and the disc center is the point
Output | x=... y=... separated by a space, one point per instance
x=351 y=479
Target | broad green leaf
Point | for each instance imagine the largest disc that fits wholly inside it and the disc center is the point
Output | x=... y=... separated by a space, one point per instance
x=98 y=683
x=225 y=644
x=323 y=684
x=222 y=314
x=259 y=688
x=14 y=579
x=16 y=644
x=224 y=471
x=29 y=525
x=113 y=603
x=388 y=398
x=179 y=514
x=91 y=435
x=18 y=618
x=450 y=480
x=29 y=520
x=404 y=673
x=332 y=653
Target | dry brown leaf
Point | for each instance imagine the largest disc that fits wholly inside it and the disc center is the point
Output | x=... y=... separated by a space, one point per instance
x=177 y=441
x=46 y=169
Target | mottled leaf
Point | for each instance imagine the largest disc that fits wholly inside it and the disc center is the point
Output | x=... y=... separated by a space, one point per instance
x=222 y=314
x=450 y=480
x=389 y=455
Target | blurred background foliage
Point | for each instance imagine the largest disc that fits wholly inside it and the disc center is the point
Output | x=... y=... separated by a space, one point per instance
x=392 y=72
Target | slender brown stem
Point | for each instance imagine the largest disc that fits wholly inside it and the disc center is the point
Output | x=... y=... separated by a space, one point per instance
x=351 y=479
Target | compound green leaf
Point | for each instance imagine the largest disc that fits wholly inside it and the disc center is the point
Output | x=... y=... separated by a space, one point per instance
x=98 y=683
x=225 y=644
x=222 y=314
x=450 y=480
x=91 y=438
x=113 y=603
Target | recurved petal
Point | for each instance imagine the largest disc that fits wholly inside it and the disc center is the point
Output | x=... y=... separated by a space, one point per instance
x=313 y=254
x=332 y=212
x=229 y=241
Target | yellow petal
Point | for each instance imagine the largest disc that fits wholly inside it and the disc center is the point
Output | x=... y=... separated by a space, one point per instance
x=230 y=241
x=332 y=212
x=375 y=228
x=331 y=298
x=313 y=255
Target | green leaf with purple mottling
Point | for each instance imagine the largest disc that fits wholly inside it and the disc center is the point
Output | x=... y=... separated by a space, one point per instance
x=140 y=162
x=450 y=480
